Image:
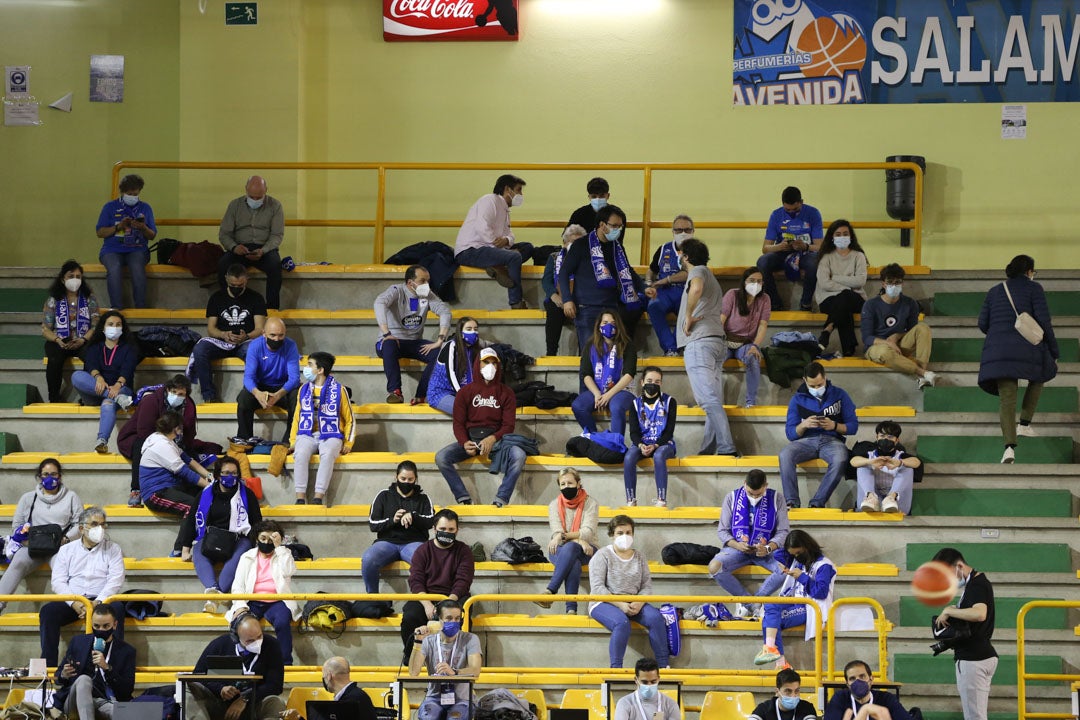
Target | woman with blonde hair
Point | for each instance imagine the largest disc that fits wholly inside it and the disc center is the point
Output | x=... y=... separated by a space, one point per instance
x=573 y=517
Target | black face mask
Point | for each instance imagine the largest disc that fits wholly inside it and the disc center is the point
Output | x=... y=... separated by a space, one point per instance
x=405 y=488
x=803 y=559
x=266 y=548
x=651 y=389
x=885 y=446
x=569 y=492
x=274 y=344
x=444 y=537
x=326 y=686
x=105 y=635
x=236 y=291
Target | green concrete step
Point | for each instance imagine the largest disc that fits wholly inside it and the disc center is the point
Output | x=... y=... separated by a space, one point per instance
x=923 y=669
x=1057 y=399
x=970 y=303
x=988 y=449
x=970 y=349
x=914 y=614
x=22 y=347
x=23 y=299
x=992 y=502
x=991 y=557
x=16 y=395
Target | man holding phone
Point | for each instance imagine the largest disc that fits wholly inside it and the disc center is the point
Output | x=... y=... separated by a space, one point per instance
x=647 y=702
x=97 y=670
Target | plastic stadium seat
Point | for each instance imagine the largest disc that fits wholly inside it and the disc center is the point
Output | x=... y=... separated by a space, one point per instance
x=378 y=699
x=534 y=696
x=727 y=705
x=299 y=696
x=591 y=700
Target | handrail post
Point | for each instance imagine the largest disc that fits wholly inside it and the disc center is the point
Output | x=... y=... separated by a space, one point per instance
x=115 y=177
x=380 y=219
x=646 y=217
x=919 y=183
x=1021 y=685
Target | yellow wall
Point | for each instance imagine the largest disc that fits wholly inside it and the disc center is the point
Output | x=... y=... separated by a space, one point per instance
x=315 y=81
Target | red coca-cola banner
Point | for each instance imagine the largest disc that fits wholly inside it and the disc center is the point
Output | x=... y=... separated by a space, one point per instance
x=440 y=20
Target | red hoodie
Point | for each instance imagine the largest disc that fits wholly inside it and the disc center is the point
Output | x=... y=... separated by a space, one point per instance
x=484 y=404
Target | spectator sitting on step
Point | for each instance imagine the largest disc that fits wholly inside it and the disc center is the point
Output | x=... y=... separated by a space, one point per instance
x=652 y=435
x=573 y=518
x=93 y=567
x=108 y=373
x=809 y=574
x=647 y=702
x=858 y=701
x=448 y=652
x=892 y=332
x=745 y=314
x=486 y=241
x=793 y=228
x=401 y=517
x=271 y=377
x=554 y=317
x=170 y=480
x=884 y=471
x=753 y=525
x=261 y=655
x=268 y=568
x=454 y=368
x=234 y=317
x=786 y=700
x=51 y=502
x=126 y=227
x=841 y=279
x=608 y=366
x=70 y=314
x=323 y=421
x=401 y=312
x=251 y=232
x=665 y=282
x=175 y=396
x=91 y=680
x=220 y=530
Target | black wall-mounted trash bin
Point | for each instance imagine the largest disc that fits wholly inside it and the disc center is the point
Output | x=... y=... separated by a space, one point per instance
x=900 y=192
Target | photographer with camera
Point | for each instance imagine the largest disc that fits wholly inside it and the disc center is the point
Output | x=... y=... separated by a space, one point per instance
x=859 y=701
x=976 y=659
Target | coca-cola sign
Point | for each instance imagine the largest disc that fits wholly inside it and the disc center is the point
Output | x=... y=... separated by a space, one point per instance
x=439 y=20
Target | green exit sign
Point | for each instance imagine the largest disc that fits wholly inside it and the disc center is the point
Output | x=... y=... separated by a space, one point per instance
x=244 y=13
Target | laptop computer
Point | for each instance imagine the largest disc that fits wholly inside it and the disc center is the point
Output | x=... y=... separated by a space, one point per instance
x=137 y=710
x=224 y=665
x=334 y=710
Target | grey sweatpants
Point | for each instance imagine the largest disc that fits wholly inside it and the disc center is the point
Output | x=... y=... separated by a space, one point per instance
x=973 y=685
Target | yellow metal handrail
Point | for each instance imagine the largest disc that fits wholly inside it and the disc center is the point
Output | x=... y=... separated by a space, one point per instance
x=88 y=621
x=881 y=625
x=1022 y=675
x=380 y=223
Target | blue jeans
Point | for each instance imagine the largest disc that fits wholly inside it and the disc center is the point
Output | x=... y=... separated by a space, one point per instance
x=704 y=361
x=618 y=623
x=583 y=407
x=114 y=276
x=732 y=559
x=393 y=350
x=281 y=618
x=202 y=355
x=445 y=404
x=489 y=257
x=782 y=617
x=379 y=555
x=205 y=567
x=431 y=709
x=660 y=457
x=752 y=371
x=447 y=458
x=667 y=300
x=568 y=559
x=84 y=383
x=774 y=262
x=827 y=447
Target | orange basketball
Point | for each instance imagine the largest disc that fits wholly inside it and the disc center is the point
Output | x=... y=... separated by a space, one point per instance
x=934 y=584
x=833 y=50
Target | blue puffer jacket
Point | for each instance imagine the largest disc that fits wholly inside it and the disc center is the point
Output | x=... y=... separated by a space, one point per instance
x=836 y=405
x=1005 y=353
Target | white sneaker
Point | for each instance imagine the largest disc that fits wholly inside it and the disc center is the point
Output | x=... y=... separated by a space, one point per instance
x=759 y=612
x=123 y=400
x=744 y=611
x=211 y=606
x=890 y=505
x=1009 y=456
x=659 y=503
x=928 y=379
x=1026 y=431
x=870 y=503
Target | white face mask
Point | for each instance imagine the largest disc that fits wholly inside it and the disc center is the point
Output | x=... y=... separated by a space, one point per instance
x=113 y=333
x=73 y=284
x=95 y=534
x=254 y=647
x=423 y=290
x=842 y=242
x=753 y=288
x=679 y=237
x=623 y=542
x=893 y=291
x=518 y=201
x=488 y=372
x=130 y=200
x=753 y=500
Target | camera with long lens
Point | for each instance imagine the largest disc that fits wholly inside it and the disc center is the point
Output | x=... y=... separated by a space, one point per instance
x=955 y=633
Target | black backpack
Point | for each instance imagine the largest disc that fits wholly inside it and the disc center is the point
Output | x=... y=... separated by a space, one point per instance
x=684 y=553
x=516 y=551
x=166 y=341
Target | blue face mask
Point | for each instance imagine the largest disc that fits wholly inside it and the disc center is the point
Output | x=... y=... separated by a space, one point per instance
x=130 y=200
x=229 y=481
x=817 y=392
x=893 y=290
x=451 y=628
x=598 y=203
x=648 y=692
x=789 y=703
x=613 y=235
x=470 y=337
x=608 y=330
x=308 y=374
x=50 y=483
x=255 y=204
x=841 y=242
x=859 y=689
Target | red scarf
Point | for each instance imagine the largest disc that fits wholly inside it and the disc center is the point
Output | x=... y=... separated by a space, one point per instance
x=577 y=505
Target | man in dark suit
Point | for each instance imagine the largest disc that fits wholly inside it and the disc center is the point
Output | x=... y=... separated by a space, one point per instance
x=97 y=670
x=260 y=656
x=335 y=679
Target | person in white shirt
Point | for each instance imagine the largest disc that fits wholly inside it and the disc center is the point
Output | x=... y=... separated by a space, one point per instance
x=485 y=240
x=92 y=567
x=647 y=702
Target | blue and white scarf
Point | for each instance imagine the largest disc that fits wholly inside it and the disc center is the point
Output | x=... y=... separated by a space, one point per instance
x=606 y=372
x=653 y=420
x=329 y=404
x=749 y=524
x=627 y=294
x=669 y=262
x=63 y=317
x=239 y=523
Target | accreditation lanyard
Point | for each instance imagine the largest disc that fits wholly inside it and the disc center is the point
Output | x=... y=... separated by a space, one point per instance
x=855 y=708
x=109 y=358
x=641 y=707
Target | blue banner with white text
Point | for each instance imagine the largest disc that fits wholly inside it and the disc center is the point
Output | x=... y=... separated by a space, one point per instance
x=831 y=52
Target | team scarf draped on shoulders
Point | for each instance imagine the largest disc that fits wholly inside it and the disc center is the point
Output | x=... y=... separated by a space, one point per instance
x=604 y=279
x=63 y=317
x=606 y=372
x=329 y=405
x=238 y=511
x=753 y=524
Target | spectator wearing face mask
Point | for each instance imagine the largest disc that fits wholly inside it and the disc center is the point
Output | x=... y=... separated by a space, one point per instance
x=486 y=241
x=647 y=702
x=587 y=216
x=891 y=330
x=251 y=232
x=608 y=366
x=447 y=653
x=885 y=472
x=323 y=422
x=174 y=396
x=97 y=671
x=260 y=655
x=786 y=704
x=745 y=315
x=554 y=318
x=793 y=229
x=454 y=367
x=665 y=282
x=271 y=377
x=572 y=517
x=401 y=312
x=126 y=227
x=268 y=568
x=225 y=514
x=841 y=277
x=859 y=701
x=108 y=373
x=67 y=324
x=50 y=503
x=652 y=435
x=401 y=518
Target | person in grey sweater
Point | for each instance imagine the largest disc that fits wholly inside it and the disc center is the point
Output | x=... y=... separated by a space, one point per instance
x=251 y=232
x=841 y=276
x=618 y=569
x=401 y=312
x=50 y=503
